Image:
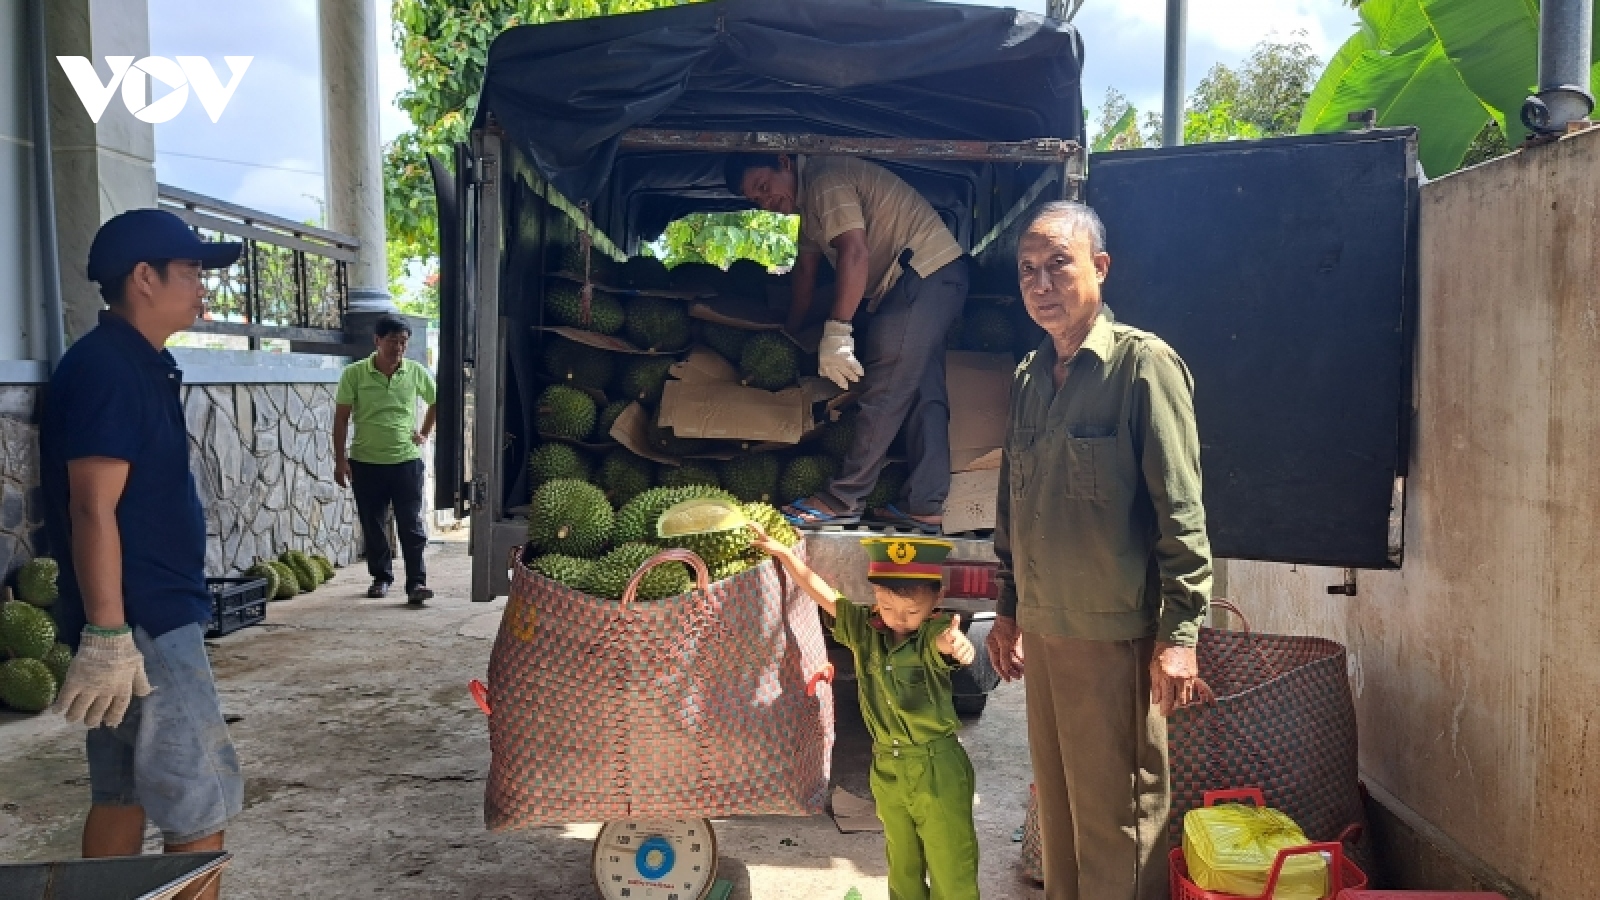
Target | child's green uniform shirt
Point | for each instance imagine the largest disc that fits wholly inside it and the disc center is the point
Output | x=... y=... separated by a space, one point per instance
x=921 y=777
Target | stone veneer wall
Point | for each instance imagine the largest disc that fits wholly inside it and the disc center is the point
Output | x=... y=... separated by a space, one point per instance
x=262 y=457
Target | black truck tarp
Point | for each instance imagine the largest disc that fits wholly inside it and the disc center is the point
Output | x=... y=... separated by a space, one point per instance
x=565 y=92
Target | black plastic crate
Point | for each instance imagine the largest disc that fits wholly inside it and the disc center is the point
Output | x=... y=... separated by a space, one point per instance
x=236 y=603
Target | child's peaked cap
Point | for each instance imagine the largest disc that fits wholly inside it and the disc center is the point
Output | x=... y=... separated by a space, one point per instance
x=902 y=559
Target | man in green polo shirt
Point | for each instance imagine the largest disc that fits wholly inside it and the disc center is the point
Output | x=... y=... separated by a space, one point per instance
x=384 y=463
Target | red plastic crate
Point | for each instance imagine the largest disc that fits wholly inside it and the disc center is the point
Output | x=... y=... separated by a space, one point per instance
x=971 y=579
x=1418 y=895
x=1343 y=873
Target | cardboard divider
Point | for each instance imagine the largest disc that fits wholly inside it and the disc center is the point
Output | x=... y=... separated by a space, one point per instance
x=971 y=503
x=720 y=411
x=601 y=341
x=979 y=387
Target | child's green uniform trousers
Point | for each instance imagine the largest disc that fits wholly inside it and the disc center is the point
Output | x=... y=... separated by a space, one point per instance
x=921 y=777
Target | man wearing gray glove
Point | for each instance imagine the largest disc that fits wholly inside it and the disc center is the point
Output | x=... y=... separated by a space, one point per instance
x=901 y=280
x=126 y=522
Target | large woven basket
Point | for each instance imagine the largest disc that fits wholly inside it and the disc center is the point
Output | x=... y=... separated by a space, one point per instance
x=708 y=704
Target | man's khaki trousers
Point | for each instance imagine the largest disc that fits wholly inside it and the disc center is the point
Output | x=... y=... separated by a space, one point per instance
x=1100 y=768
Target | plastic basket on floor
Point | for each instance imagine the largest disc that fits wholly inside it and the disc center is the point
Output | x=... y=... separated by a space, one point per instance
x=236 y=603
x=1342 y=873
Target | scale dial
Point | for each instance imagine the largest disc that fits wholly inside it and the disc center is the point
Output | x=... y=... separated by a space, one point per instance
x=655 y=859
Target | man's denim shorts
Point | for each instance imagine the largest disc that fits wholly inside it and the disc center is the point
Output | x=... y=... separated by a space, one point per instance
x=172 y=754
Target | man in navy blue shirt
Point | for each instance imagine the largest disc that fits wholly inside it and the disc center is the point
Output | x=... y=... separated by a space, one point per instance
x=126 y=522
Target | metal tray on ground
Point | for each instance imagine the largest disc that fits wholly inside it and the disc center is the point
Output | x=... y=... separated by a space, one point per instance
x=151 y=877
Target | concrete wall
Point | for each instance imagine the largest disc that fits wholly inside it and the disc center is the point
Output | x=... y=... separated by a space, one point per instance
x=1475 y=667
x=262 y=457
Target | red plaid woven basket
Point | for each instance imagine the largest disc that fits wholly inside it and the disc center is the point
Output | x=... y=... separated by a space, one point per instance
x=708 y=704
x=1283 y=720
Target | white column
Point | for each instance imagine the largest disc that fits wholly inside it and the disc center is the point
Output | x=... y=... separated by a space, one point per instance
x=103 y=168
x=354 y=151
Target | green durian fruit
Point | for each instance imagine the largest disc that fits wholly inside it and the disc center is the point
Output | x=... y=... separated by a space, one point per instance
x=725 y=339
x=625 y=475
x=570 y=517
x=36 y=581
x=752 y=477
x=690 y=472
x=803 y=477
x=578 y=364
x=26 y=630
x=563 y=304
x=644 y=377
x=555 y=460
x=27 y=685
x=566 y=412
x=569 y=570
x=657 y=324
x=610 y=576
x=769 y=361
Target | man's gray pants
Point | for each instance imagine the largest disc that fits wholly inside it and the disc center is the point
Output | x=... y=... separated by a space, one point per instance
x=902 y=352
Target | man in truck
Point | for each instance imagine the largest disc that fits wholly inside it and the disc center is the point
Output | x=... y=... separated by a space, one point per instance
x=901 y=278
x=1105 y=566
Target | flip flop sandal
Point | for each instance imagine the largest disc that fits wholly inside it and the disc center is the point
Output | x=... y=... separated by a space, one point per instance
x=894 y=516
x=818 y=518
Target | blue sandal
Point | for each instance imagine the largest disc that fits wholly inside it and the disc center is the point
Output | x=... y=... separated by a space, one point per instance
x=817 y=518
x=892 y=515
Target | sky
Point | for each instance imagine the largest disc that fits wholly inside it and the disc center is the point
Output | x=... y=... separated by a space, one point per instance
x=265 y=152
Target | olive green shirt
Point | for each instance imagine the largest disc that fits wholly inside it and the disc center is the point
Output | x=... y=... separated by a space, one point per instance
x=1100 y=530
x=383 y=409
x=904 y=685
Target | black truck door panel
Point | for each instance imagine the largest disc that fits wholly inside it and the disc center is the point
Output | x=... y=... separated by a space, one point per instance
x=452 y=445
x=1283 y=272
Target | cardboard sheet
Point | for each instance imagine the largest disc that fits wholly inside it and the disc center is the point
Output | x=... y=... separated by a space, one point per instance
x=705 y=366
x=971 y=504
x=854 y=815
x=733 y=412
x=979 y=385
x=602 y=341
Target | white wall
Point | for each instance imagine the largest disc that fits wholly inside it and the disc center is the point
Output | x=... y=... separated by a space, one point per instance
x=20 y=292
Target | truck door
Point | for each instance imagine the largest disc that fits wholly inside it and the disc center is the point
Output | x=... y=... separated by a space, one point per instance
x=1283 y=271
x=452 y=435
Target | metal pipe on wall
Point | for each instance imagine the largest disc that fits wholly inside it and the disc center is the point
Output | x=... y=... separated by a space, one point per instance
x=1172 y=89
x=44 y=185
x=1566 y=28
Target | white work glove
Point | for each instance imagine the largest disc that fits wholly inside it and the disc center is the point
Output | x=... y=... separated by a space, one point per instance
x=836 y=355
x=103 y=678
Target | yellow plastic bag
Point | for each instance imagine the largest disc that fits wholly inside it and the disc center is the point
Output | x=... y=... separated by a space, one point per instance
x=1230 y=848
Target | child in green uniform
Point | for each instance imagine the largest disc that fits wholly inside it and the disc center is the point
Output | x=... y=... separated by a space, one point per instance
x=921 y=777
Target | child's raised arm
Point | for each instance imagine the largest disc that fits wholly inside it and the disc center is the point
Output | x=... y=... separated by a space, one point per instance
x=809 y=581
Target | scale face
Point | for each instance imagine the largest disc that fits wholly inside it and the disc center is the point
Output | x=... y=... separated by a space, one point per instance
x=655 y=859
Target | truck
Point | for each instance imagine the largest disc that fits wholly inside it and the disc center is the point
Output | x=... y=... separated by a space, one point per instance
x=1282 y=270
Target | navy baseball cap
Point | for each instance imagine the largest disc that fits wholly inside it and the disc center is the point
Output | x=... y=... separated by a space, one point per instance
x=150 y=235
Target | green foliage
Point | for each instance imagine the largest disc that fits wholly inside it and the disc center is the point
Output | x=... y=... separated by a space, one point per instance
x=1445 y=66
x=1262 y=97
x=444 y=47
x=720 y=238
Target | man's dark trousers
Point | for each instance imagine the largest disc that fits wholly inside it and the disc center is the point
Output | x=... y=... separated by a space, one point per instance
x=378 y=486
x=903 y=355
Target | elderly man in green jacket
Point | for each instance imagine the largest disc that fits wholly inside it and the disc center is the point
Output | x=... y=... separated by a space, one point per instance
x=1105 y=566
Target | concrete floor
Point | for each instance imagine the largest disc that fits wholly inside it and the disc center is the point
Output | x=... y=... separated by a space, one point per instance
x=365 y=761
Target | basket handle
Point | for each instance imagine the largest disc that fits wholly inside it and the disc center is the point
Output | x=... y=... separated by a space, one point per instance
x=702 y=577
x=1231 y=607
x=515 y=562
x=1335 y=852
x=1212 y=798
x=823 y=674
x=480 y=694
